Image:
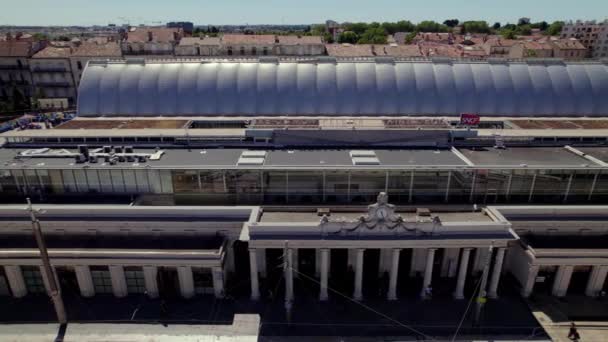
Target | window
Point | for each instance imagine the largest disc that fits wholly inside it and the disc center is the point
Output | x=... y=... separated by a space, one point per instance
x=229 y=51
x=254 y=51
x=265 y=51
x=135 y=280
x=33 y=279
x=102 y=281
x=242 y=51
x=79 y=64
x=203 y=280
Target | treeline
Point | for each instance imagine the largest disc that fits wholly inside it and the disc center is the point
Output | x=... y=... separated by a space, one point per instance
x=377 y=33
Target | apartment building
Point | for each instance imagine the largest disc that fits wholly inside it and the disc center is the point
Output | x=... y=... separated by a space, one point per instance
x=15 y=74
x=151 y=40
x=52 y=76
x=92 y=50
x=593 y=35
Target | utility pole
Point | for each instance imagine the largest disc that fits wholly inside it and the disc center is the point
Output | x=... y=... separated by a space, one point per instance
x=48 y=270
x=481 y=297
x=288 y=275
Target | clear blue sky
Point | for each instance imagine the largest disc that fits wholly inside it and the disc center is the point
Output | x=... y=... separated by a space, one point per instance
x=201 y=12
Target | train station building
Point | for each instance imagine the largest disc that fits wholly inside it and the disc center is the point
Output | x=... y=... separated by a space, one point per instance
x=191 y=178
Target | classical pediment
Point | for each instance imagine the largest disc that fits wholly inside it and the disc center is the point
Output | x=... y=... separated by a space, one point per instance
x=380 y=217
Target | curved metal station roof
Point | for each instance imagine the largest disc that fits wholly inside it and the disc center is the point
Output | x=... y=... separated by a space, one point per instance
x=354 y=88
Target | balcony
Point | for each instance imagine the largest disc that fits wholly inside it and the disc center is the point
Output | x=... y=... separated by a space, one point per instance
x=49 y=69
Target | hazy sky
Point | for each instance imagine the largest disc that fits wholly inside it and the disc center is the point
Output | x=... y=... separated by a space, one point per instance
x=87 y=12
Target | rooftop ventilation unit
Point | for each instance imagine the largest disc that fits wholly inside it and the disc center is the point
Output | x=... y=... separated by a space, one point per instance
x=252 y=158
x=364 y=158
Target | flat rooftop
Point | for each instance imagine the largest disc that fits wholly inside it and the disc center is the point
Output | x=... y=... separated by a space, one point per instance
x=311 y=216
x=520 y=157
x=229 y=158
x=529 y=156
x=566 y=241
x=115 y=242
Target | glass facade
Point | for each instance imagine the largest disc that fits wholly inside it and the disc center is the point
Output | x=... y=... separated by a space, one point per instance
x=102 y=280
x=33 y=279
x=134 y=277
x=342 y=186
x=203 y=280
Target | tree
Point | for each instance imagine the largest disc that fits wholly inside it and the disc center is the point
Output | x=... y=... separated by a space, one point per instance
x=524 y=30
x=451 y=22
x=496 y=26
x=373 y=35
x=348 y=37
x=410 y=37
x=555 y=28
x=431 y=26
x=358 y=28
x=390 y=28
x=405 y=26
x=317 y=30
x=508 y=34
x=523 y=21
x=475 y=27
x=542 y=25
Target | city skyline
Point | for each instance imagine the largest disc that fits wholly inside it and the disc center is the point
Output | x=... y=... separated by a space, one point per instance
x=239 y=12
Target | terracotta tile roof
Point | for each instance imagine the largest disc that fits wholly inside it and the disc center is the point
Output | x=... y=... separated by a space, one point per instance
x=440 y=50
x=400 y=50
x=368 y=50
x=501 y=42
x=475 y=51
x=13 y=48
x=537 y=45
x=158 y=34
x=188 y=41
x=266 y=39
x=53 y=51
x=92 y=49
x=568 y=44
x=349 y=50
x=300 y=40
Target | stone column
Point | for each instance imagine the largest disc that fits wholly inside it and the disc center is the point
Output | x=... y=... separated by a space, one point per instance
x=218 y=282
x=289 y=275
x=253 y=270
x=462 y=273
x=150 y=279
x=497 y=270
x=85 y=281
x=324 y=273
x=358 y=294
x=295 y=264
x=528 y=287
x=119 y=283
x=15 y=281
x=597 y=277
x=392 y=285
x=562 y=280
x=261 y=255
x=186 y=281
x=428 y=271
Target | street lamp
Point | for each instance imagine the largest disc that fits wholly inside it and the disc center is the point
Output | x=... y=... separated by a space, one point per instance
x=48 y=270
